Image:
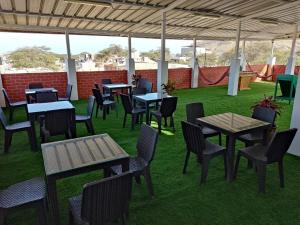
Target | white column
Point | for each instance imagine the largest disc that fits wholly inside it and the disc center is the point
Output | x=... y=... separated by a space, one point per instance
x=130 y=64
x=195 y=66
x=295 y=122
x=272 y=60
x=234 y=70
x=243 y=62
x=162 y=68
x=290 y=66
x=71 y=69
x=2 y=100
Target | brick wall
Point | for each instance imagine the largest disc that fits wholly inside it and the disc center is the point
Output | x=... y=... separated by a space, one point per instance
x=15 y=84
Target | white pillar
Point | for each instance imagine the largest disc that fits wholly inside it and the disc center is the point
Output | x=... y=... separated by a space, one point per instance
x=272 y=60
x=295 y=122
x=71 y=69
x=234 y=70
x=130 y=64
x=290 y=66
x=243 y=62
x=195 y=66
x=2 y=100
x=162 y=68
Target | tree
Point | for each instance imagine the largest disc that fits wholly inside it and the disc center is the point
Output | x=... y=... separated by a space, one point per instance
x=34 y=57
x=155 y=54
x=113 y=50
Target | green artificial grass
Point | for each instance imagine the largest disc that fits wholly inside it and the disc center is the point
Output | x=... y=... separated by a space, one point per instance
x=179 y=199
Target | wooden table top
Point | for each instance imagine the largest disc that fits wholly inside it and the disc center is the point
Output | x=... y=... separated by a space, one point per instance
x=232 y=123
x=72 y=154
x=48 y=106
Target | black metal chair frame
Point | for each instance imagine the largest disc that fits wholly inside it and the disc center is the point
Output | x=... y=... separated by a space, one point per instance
x=88 y=118
x=12 y=105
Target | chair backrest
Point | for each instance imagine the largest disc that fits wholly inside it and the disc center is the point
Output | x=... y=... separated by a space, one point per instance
x=98 y=96
x=90 y=106
x=35 y=85
x=58 y=121
x=107 y=200
x=144 y=83
x=6 y=97
x=139 y=91
x=146 y=143
x=106 y=81
x=96 y=85
x=168 y=106
x=126 y=102
x=193 y=136
x=46 y=96
x=69 y=91
x=3 y=119
x=193 y=111
x=264 y=114
x=280 y=144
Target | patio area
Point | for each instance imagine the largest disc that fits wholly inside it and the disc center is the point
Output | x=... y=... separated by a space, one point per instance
x=179 y=199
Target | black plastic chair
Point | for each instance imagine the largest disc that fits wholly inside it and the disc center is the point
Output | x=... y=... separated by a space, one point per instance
x=88 y=118
x=263 y=155
x=196 y=110
x=144 y=83
x=35 y=85
x=12 y=105
x=105 y=96
x=102 y=202
x=205 y=150
x=140 y=165
x=26 y=194
x=136 y=113
x=139 y=91
x=10 y=129
x=105 y=91
x=46 y=96
x=103 y=104
x=56 y=122
x=259 y=113
x=68 y=93
x=167 y=109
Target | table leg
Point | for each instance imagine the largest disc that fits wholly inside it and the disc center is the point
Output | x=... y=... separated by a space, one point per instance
x=147 y=113
x=52 y=195
x=130 y=91
x=230 y=156
x=32 y=119
x=125 y=165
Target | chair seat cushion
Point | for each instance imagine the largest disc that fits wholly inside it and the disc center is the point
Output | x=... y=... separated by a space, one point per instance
x=19 y=126
x=211 y=148
x=252 y=137
x=17 y=104
x=136 y=165
x=82 y=118
x=75 y=208
x=23 y=193
x=256 y=152
x=209 y=132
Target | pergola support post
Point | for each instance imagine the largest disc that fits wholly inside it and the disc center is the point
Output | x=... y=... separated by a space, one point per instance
x=130 y=64
x=234 y=70
x=272 y=60
x=290 y=66
x=71 y=69
x=243 y=57
x=2 y=100
x=162 y=67
x=195 y=66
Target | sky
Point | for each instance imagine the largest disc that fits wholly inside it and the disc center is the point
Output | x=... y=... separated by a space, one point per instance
x=80 y=43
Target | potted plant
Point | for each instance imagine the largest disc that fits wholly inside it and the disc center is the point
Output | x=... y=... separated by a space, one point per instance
x=169 y=87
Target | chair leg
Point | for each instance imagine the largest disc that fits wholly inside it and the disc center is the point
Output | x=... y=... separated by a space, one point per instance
x=89 y=126
x=7 y=141
x=148 y=179
x=2 y=217
x=186 y=161
x=104 y=112
x=31 y=137
x=166 y=123
x=141 y=118
x=124 y=120
x=97 y=110
x=11 y=113
x=71 y=219
x=281 y=174
x=42 y=215
x=225 y=164
x=204 y=172
x=220 y=139
x=137 y=179
x=172 y=124
x=159 y=124
x=236 y=165
x=133 y=119
x=261 y=169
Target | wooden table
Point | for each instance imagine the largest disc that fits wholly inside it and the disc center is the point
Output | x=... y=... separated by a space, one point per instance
x=233 y=126
x=76 y=156
x=120 y=86
x=32 y=92
x=147 y=99
x=245 y=80
x=36 y=109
